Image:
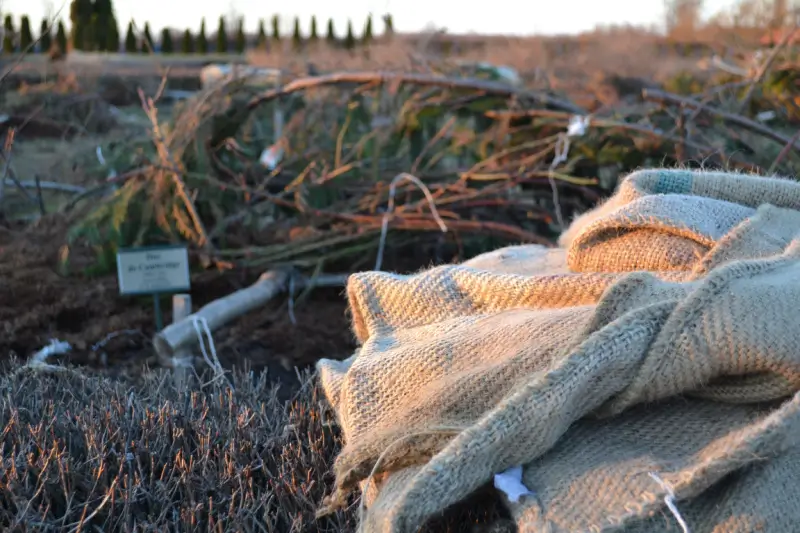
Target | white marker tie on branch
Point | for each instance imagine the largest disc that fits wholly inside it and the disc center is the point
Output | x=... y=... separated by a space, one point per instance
x=111 y=173
x=56 y=347
x=390 y=208
x=510 y=483
x=669 y=500
x=272 y=156
x=577 y=127
x=200 y=327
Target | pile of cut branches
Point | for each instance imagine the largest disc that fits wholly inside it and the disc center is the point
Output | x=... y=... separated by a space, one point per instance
x=486 y=164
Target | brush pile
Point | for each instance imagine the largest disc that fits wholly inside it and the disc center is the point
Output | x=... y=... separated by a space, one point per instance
x=308 y=172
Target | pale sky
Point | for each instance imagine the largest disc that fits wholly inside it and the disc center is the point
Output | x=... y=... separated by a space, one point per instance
x=519 y=17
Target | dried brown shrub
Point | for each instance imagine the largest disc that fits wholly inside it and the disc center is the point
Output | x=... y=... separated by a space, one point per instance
x=83 y=452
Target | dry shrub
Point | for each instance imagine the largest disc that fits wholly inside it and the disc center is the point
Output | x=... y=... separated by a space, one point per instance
x=62 y=103
x=148 y=457
x=88 y=453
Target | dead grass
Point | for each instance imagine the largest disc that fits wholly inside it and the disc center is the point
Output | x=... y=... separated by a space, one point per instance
x=86 y=453
x=106 y=456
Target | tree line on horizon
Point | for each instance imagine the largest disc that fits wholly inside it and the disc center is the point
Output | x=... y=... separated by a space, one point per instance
x=94 y=28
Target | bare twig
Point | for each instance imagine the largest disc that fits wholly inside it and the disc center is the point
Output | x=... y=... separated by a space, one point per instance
x=762 y=71
x=7 y=153
x=51 y=186
x=643 y=129
x=784 y=152
x=488 y=87
x=390 y=211
x=40 y=196
x=737 y=120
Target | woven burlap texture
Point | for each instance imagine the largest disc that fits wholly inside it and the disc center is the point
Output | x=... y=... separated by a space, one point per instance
x=656 y=350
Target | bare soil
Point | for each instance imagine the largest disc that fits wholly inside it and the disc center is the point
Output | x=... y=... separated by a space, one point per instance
x=113 y=332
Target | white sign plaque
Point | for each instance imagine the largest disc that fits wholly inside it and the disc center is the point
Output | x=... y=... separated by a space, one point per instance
x=153 y=270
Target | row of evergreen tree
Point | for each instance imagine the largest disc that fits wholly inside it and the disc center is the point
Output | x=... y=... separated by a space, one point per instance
x=24 y=40
x=95 y=28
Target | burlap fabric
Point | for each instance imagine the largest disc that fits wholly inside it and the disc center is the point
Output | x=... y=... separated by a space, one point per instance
x=657 y=350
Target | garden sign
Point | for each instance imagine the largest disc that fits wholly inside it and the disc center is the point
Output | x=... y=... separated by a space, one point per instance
x=153 y=270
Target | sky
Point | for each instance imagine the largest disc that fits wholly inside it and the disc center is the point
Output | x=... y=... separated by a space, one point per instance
x=515 y=17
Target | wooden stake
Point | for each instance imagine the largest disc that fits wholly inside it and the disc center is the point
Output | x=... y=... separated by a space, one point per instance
x=181 y=360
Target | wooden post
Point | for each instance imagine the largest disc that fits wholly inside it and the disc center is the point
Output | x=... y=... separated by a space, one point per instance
x=182 y=360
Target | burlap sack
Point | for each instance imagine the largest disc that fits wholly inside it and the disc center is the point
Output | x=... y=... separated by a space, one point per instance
x=656 y=353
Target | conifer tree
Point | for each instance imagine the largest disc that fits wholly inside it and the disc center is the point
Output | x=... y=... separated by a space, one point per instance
x=131 y=45
x=241 y=39
x=349 y=39
x=222 y=37
x=202 y=40
x=313 y=35
x=261 y=40
x=61 y=37
x=45 y=36
x=102 y=23
x=187 y=44
x=276 y=28
x=331 y=34
x=166 y=41
x=8 y=35
x=367 y=37
x=25 y=34
x=80 y=16
x=112 y=41
x=388 y=24
x=297 y=37
x=148 y=45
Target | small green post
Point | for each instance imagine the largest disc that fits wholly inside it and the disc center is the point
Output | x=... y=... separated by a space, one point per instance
x=157 y=310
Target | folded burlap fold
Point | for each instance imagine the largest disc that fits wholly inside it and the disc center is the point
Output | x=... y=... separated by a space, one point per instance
x=654 y=355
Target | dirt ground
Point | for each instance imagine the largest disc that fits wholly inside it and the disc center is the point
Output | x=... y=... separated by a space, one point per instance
x=112 y=333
